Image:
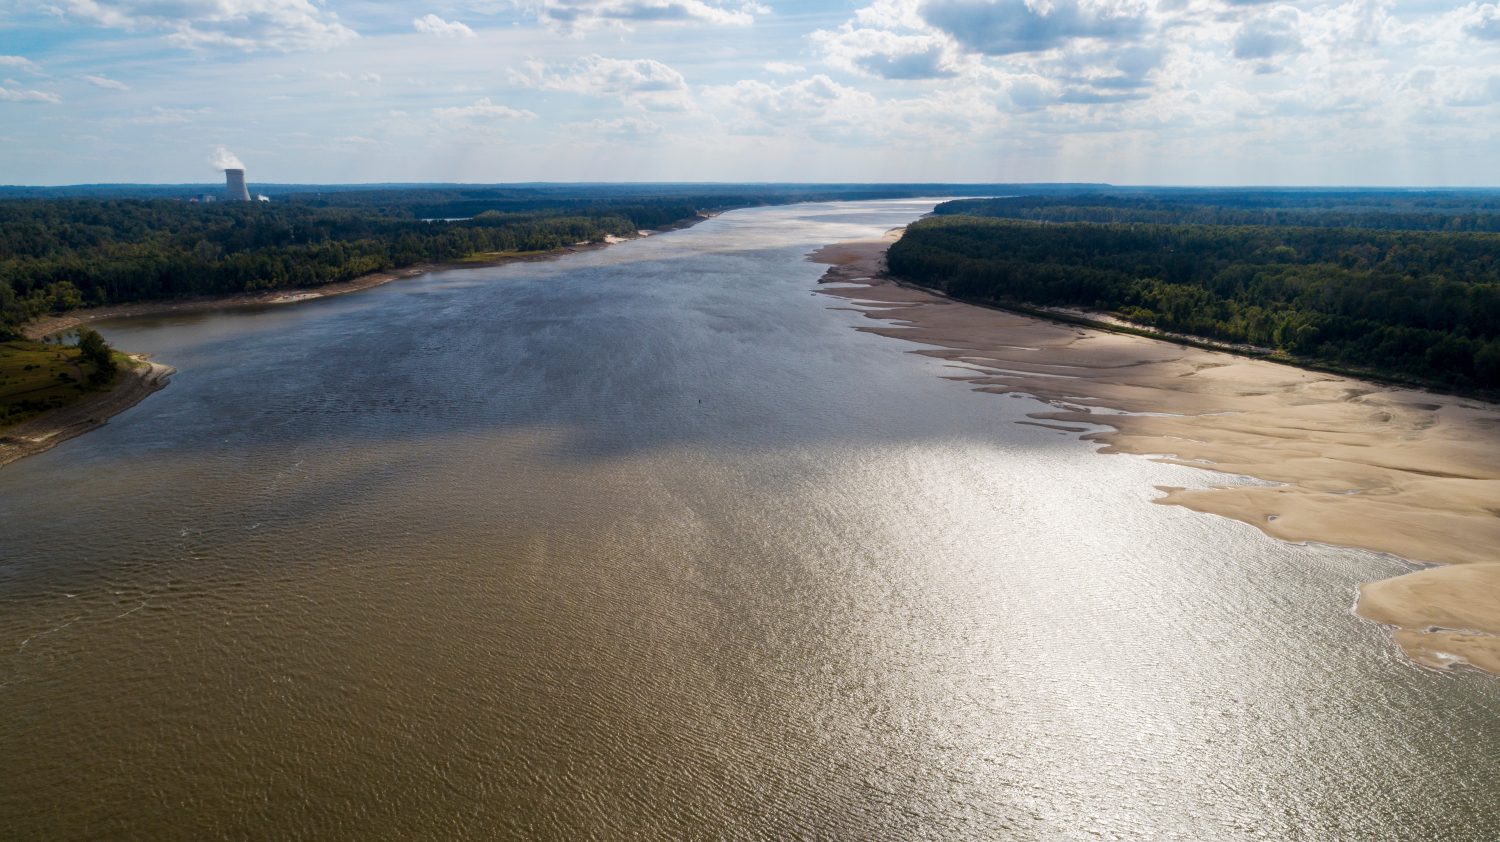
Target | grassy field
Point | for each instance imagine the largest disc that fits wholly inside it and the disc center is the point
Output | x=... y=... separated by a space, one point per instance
x=36 y=377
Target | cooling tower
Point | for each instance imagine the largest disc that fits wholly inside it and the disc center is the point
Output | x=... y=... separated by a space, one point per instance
x=234 y=186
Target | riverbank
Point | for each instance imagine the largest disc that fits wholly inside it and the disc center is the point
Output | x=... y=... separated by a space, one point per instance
x=90 y=412
x=49 y=325
x=55 y=426
x=1354 y=463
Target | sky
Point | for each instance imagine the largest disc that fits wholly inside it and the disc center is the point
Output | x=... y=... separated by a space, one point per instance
x=1191 y=92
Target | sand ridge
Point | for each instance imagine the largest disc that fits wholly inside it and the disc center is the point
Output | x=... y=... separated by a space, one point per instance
x=1355 y=463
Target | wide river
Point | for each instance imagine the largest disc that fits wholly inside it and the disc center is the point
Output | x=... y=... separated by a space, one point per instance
x=650 y=542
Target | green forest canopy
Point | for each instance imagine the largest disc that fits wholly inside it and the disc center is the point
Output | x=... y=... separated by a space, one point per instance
x=1417 y=302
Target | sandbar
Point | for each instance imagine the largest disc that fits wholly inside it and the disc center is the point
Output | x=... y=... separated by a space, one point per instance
x=1354 y=463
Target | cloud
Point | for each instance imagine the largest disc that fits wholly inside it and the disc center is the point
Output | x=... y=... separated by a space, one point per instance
x=889 y=39
x=1030 y=92
x=1264 y=38
x=168 y=116
x=624 y=127
x=1114 y=86
x=248 y=25
x=641 y=83
x=20 y=62
x=783 y=68
x=888 y=55
x=106 y=83
x=1008 y=27
x=1082 y=96
x=1483 y=21
x=22 y=95
x=482 y=110
x=434 y=25
x=1107 y=76
x=575 y=15
x=1135 y=62
x=817 y=105
x=819 y=110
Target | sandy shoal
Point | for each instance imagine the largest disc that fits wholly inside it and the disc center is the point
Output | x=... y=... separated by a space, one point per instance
x=1356 y=463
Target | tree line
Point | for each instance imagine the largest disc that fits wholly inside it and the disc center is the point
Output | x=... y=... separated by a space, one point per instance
x=62 y=253
x=1405 y=210
x=1415 y=304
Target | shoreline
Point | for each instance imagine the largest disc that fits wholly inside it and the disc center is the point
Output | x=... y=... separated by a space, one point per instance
x=45 y=326
x=48 y=430
x=1355 y=463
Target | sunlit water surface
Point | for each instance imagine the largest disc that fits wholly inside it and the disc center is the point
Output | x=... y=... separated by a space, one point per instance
x=650 y=542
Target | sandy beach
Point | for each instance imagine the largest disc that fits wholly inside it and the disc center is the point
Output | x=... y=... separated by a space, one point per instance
x=1353 y=463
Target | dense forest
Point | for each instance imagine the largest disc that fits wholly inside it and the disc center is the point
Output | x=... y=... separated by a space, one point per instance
x=1420 y=304
x=63 y=253
x=1407 y=210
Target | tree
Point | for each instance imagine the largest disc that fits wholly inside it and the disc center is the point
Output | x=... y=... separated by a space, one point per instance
x=93 y=350
x=1487 y=364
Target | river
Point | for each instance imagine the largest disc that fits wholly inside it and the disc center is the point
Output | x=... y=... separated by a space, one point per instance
x=650 y=542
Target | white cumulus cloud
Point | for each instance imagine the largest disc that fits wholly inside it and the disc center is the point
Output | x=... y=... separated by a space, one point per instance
x=248 y=25
x=434 y=25
x=818 y=106
x=887 y=54
x=1481 y=21
x=641 y=83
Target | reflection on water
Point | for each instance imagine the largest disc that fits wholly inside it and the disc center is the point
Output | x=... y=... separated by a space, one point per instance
x=648 y=541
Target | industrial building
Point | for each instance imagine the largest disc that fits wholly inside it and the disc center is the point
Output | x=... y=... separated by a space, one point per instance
x=234 y=186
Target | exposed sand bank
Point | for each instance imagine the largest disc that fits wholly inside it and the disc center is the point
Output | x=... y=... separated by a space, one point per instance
x=50 y=429
x=1357 y=464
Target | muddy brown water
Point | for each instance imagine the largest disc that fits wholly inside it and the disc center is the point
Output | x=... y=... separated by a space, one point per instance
x=649 y=542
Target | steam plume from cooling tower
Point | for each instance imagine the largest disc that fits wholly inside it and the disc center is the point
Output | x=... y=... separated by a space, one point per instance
x=223 y=159
x=234 y=175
